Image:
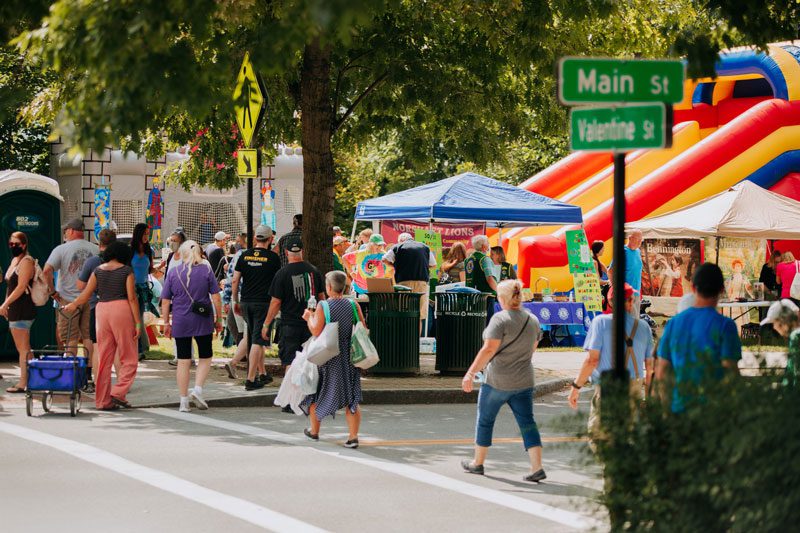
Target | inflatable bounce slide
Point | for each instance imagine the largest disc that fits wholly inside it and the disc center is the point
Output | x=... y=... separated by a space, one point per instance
x=742 y=125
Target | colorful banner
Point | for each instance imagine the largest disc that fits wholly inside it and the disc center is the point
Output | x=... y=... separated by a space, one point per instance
x=268 y=216
x=365 y=265
x=668 y=266
x=155 y=214
x=740 y=261
x=450 y=233
x=579 y=255
x=102 y=208
x=432 y=240
x=587 y=291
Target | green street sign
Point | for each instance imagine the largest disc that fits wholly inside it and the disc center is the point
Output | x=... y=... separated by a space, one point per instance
x=621 y=128
x=594 y=80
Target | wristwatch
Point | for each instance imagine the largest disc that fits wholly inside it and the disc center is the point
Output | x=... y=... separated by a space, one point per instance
x=576 y=386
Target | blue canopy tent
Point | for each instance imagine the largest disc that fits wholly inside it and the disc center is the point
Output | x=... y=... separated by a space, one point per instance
x=470 y=197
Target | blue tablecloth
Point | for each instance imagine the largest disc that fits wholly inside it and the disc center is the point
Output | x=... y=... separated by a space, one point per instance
x=558 y=313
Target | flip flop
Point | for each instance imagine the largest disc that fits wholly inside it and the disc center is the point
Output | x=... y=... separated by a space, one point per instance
x=15 y=390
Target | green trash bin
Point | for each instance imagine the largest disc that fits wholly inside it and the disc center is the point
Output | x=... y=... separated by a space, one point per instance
x=460 y=321
x=394 y=330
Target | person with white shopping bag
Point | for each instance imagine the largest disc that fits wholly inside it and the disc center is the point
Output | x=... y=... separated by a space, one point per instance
x=339 y=385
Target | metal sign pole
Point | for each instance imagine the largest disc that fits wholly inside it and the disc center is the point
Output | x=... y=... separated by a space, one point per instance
x=249 y=213
x=618 y=283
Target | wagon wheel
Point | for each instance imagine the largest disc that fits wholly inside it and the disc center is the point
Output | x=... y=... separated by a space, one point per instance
x=47 y=401
x=29 y=404
x=73 y=405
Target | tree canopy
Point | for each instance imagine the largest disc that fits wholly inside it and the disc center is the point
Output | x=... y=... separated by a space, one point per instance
x=444 y=82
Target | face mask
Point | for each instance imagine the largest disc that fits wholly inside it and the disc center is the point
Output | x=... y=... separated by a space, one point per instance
x=16 y=250
x=173 y=246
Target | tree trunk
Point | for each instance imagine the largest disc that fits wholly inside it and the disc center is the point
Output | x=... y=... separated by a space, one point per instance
x=319 y=180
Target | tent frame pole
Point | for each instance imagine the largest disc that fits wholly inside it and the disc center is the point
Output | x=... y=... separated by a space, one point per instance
x=353 y=233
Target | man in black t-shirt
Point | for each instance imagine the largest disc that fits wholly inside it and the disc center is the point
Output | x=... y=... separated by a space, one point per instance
x=256 y=268
x=291 y=289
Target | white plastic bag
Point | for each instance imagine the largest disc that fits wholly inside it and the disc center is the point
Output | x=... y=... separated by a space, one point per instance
x=289 y=393
x=306 y=374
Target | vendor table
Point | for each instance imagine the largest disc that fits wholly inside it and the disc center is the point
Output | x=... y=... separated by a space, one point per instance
x=567 y=322
x=747 y=306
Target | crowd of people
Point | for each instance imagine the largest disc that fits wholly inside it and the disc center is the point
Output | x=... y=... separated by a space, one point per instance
x=265 y=292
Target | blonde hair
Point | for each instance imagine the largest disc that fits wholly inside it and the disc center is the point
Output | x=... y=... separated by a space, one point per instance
x=509 y=292
x=191 y=255
x=788 y=257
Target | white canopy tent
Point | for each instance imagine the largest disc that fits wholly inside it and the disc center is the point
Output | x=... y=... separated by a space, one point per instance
x=744 y=211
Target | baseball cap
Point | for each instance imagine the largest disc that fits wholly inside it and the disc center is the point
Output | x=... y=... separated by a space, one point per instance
x=377 y=238
x=628 y=292
x=336 y=229
x=220 y=236
x=339 y=240
x=263 y=232
x=777 y=308
x=294 y=244
x=73 y=223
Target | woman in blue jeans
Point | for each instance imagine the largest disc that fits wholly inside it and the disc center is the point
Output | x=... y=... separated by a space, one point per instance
x=508 y=345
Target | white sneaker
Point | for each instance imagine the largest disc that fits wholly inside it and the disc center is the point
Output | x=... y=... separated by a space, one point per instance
x=184 y=408
x=198 y=399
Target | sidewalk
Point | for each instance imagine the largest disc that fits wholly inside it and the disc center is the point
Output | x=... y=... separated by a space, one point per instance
x=155 y=384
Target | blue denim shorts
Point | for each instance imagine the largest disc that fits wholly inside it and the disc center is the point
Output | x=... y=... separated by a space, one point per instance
x=490 y=400
x=20 y=324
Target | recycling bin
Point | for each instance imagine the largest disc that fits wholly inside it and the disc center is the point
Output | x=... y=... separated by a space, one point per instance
x=460 y=321
x=393 y=321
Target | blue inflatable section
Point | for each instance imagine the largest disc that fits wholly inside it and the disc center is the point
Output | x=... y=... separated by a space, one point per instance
x=748 y=62
x=775 y=170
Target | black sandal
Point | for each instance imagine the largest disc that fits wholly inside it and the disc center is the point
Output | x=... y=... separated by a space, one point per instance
x=307 y=433
x=120 y=403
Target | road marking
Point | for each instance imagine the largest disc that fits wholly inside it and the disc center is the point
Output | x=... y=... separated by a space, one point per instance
x=497 y=497
x=436 y=442
x=230 y=505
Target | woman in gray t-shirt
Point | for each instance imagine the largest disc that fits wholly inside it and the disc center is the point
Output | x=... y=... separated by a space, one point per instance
x=508 y=345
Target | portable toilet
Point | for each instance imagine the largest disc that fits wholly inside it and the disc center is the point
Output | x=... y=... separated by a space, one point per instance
x=32 y=204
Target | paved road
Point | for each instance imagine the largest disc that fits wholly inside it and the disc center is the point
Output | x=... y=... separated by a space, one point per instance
x=252 y=469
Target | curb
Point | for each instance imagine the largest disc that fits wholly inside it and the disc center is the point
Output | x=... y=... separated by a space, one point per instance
x=377 y=397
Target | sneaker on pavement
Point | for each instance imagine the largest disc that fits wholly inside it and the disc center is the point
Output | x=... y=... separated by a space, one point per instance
x=198 y=400
x=184 y=408
x=352 y=444
x=253 y=385
x=89 y=388
x=536 y=477
x=471 y=467
x=266 y=379
x=173 y=361
x=230 y=370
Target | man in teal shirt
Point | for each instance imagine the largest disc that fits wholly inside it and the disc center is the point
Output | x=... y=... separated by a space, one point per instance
x=479 y=269
x=699 y=343
x=633 y=268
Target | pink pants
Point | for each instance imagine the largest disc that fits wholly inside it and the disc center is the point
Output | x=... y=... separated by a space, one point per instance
x=115 y=328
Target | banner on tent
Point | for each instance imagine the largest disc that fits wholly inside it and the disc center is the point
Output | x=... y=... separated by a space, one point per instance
x=740 y=261
x=102 y=208
x=451 y=233
x=668 y=266
x=579 y=255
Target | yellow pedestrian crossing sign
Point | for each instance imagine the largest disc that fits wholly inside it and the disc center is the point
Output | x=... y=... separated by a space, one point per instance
x=248 y=100
x=247 y=163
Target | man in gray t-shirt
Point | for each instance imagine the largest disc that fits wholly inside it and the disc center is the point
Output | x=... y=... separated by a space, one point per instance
x=511 y=367
x=68 y=259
